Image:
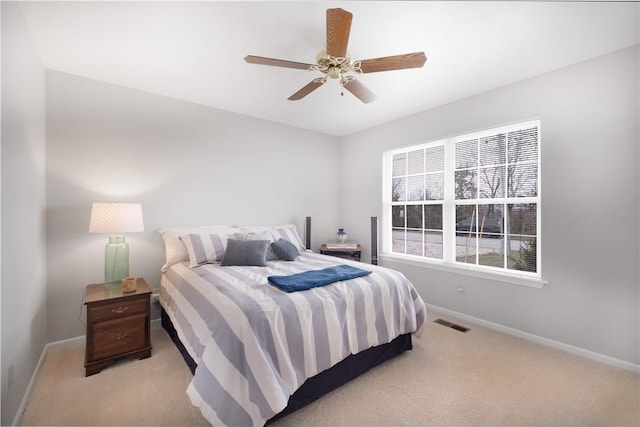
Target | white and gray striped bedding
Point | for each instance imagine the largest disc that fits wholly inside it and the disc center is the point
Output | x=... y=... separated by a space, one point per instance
x=255 y=345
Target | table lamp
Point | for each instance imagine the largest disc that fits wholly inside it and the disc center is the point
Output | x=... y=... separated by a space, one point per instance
x=116 y=219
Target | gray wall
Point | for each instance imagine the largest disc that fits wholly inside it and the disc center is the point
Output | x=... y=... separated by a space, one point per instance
x=187 y=164
x=23 y=283
x=590 y=186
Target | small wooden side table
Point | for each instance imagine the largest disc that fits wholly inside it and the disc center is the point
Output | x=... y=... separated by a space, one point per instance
x=117 y=324
x=352 y=254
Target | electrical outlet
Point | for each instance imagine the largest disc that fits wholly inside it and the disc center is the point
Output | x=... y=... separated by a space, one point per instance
x=10 y=376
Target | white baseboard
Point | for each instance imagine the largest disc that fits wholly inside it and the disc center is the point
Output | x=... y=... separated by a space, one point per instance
x=602 y=358
x=47 y=348
x=27 y=393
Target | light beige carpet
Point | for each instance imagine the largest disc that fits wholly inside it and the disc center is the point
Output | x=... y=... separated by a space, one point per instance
x=481 y=378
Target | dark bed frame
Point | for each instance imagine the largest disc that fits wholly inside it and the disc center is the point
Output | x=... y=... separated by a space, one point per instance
x=341 y=373
x=324 y=382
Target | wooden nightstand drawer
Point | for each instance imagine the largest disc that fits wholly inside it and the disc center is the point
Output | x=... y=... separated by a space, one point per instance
x=127 y=307
x=120 y=336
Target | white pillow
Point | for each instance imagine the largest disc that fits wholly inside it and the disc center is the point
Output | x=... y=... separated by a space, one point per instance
x=205 y=248
x=175 y=250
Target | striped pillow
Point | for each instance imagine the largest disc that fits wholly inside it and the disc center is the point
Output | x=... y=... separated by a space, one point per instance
x=204 y=248
x=175 y=249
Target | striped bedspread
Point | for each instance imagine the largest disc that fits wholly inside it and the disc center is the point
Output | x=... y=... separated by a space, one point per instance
x=255 y=344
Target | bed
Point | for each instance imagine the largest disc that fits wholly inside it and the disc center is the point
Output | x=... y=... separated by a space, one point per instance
x=258 y=352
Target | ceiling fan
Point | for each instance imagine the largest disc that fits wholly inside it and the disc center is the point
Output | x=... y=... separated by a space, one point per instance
x=335 y=63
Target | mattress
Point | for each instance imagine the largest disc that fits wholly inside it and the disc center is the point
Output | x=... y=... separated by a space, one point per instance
x=255 y=345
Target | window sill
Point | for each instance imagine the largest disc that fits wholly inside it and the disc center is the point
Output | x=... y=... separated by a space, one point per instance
x=513 y=279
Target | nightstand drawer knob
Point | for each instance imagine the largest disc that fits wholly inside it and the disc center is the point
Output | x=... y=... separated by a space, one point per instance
x=119 y=310
x=120 y=336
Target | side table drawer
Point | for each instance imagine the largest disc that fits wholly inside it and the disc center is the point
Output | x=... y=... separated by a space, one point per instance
x=118 y=336
x=98 y=313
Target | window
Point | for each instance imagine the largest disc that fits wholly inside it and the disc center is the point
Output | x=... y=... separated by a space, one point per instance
x=471 y=200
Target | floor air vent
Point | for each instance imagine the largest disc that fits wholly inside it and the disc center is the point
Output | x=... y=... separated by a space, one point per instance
x=451 y=325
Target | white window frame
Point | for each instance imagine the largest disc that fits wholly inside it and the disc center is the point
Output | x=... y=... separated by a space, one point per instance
x=448 y=263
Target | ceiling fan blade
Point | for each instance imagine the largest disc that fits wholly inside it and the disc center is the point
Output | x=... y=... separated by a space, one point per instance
x=338 y=28
x=360 y=91
x=396 y=62
x=306 y=90
x=276 y=62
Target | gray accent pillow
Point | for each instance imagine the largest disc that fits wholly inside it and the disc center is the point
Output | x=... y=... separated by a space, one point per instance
x=259 y=236
x=285 y=250
x=246 y=252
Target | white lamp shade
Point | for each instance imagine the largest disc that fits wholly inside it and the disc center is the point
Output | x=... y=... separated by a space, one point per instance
x=116 y=218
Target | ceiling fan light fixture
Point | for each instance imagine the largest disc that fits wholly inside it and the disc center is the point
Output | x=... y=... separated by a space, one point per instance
x=334 y=72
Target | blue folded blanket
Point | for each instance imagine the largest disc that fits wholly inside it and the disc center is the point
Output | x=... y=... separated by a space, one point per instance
x=313 y=278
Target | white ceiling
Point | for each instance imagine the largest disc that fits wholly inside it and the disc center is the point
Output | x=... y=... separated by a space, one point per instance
x=194 y=50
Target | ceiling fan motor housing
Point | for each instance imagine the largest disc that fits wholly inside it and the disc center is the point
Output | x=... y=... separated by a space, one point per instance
x=333 y=66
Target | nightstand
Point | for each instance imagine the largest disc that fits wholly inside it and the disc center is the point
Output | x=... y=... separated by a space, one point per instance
x=117 y=324
x=352 y=254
